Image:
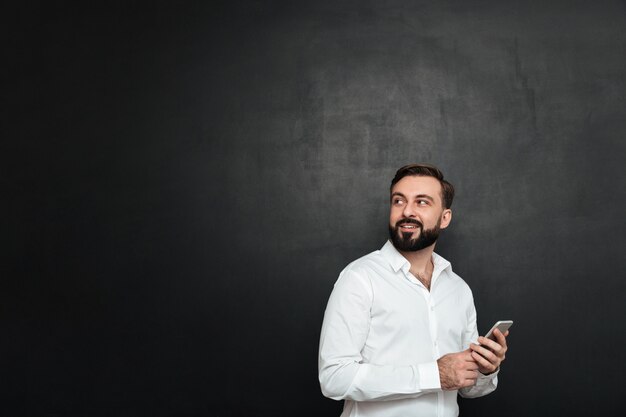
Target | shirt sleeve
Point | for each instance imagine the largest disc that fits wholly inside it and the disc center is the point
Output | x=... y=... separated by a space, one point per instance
x=342 y=373
x=485 y=384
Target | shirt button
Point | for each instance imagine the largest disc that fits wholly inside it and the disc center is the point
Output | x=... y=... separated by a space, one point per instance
x=435 y=343
x=432 y=308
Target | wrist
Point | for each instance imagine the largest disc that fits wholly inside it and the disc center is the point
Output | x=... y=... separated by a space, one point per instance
x=489 y=373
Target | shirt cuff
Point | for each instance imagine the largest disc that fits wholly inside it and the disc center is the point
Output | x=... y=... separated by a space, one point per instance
x=429 y=376
x=484 y=377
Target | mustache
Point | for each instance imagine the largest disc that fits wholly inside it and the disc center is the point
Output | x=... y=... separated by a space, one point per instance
x=412 y=221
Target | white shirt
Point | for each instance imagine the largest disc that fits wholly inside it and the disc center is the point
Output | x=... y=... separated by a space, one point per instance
x=383 y=332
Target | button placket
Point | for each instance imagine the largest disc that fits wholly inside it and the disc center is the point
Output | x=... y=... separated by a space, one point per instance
x=432 y=322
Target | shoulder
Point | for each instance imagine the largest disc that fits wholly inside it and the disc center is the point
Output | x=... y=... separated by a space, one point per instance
x=360 y=272
x=459 y=282
x=455 y=282
x=364 y=266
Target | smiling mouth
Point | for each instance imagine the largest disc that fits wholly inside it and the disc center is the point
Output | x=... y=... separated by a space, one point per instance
x=408 y=227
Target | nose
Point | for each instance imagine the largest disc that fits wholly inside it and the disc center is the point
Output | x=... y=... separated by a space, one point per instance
x=409 y=210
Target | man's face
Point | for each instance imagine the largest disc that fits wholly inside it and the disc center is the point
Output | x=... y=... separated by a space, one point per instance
x=417 y=214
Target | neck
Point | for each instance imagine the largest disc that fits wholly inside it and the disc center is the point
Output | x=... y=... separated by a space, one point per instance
x=421 y=264
x=421 y=259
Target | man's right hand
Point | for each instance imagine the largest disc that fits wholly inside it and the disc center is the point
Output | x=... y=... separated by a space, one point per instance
x=457 y=370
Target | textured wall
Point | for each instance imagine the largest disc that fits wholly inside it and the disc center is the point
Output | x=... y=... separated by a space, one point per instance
x=182 y=183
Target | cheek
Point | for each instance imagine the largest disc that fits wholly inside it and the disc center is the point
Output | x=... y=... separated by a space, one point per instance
x=394 y=216
x=433 y=222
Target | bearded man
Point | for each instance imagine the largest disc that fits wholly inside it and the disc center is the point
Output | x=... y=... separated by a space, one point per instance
x=399 y=336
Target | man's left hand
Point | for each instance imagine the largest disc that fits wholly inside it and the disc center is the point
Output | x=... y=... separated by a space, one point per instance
x=489 y=354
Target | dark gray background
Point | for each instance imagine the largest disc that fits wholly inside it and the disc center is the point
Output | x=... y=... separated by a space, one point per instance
x=182 y=183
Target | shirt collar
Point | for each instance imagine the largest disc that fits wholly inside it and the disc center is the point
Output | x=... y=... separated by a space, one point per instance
x=395 y=258
x=399 y=262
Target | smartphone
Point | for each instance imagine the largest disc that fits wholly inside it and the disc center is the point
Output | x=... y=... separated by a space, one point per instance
x=502 y=325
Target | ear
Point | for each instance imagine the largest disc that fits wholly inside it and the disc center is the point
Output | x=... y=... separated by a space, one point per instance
x=446 y=218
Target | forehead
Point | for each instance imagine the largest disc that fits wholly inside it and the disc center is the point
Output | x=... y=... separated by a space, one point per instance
x=413 y=185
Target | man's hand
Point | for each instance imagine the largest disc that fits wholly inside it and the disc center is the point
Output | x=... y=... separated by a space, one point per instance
x=457 y=370
x=489 y=354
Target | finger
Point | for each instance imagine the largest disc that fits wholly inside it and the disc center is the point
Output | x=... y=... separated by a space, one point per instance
x=465 y=383
x=486 y=364
x=484 y=352
x=501 y=338
x=469 y=375
x=490 y=344
x=468 y=383
x=502 y=342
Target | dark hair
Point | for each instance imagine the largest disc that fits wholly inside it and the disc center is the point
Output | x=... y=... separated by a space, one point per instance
x=425 y=170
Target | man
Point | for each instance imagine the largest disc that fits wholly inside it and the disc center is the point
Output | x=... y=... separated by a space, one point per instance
x=399 y=336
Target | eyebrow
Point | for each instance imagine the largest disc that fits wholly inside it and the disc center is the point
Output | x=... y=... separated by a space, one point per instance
x=426 y=196
x=397 y=194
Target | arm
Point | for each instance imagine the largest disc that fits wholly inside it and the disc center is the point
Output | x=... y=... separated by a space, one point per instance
x=342 y=373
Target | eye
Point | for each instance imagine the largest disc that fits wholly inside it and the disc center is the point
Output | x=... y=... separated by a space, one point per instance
x=397 y=201
x=422 y=202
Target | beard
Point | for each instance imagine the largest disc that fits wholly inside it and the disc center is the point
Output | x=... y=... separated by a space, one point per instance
x=403 y=241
